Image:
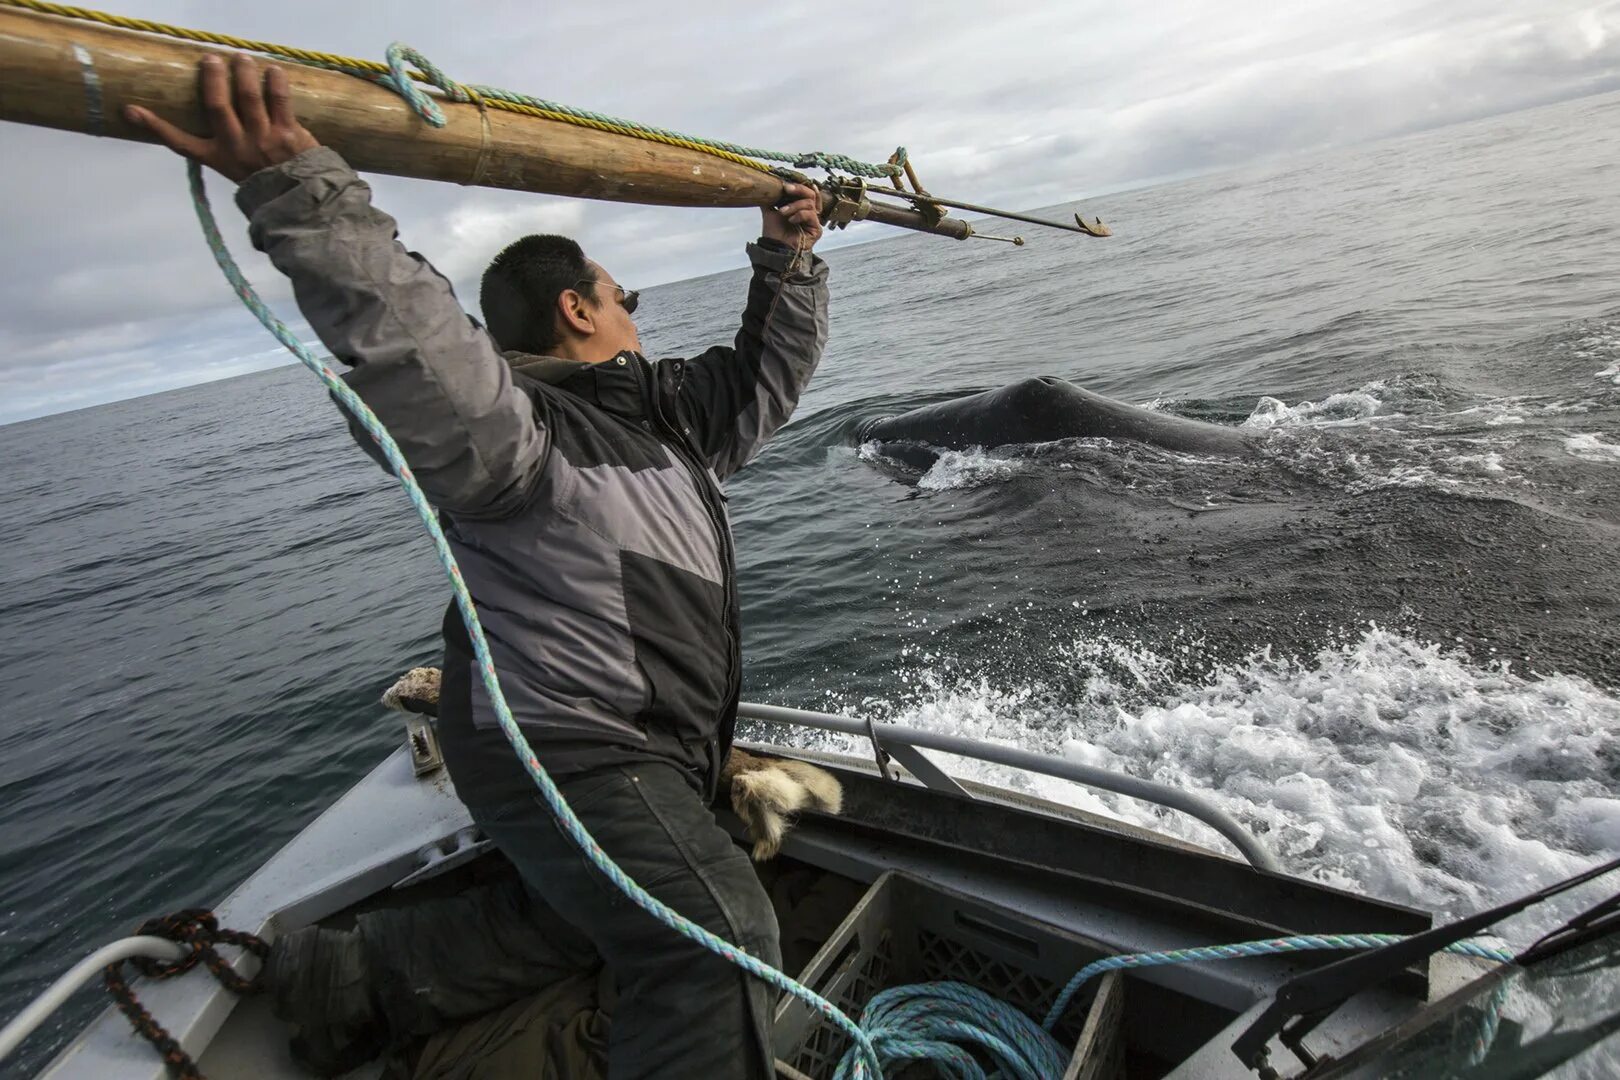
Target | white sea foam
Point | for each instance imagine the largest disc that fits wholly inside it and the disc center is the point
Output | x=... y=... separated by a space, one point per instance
x=1591 y=447
x=1347 y=407
x=1459 y=467
x=1601 y=346
x=1566 y=408
x=1486 y=464
x=1385 y=765
x=958 y=469
x=870 y=452
x=951 y=470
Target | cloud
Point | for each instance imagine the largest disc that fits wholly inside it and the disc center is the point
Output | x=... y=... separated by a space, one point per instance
x=110 y=291
x=470 y=234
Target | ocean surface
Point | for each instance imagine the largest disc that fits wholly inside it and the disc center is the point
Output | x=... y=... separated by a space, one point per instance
x=1387 y=639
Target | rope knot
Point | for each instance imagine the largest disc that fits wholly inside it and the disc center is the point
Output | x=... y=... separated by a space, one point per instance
x=198 y=929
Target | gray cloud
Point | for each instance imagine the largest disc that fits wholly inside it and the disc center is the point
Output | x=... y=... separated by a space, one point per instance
x=110 y=292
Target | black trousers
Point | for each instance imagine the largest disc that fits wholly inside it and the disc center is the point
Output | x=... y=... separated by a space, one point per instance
x=682 y=1011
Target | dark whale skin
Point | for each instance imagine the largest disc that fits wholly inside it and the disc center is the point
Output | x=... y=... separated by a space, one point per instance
x=1043 y=409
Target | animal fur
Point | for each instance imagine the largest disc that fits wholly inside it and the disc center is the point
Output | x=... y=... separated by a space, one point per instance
x=765 y=792
x=416 y=691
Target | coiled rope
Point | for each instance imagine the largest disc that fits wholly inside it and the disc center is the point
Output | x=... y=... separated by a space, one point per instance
x=396 y=77
x=933 y=1022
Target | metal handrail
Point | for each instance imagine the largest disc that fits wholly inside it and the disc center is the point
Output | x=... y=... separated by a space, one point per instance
x=1161 y=794
x=156 y=948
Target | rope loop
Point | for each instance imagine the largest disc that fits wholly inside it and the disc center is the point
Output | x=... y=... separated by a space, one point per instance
x=199 y=930
x=399 y=79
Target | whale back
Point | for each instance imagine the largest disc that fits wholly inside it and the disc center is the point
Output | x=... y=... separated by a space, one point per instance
x=1044 y=409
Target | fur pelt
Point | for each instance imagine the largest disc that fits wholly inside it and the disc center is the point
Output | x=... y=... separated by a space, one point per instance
x=416 y=691
x=765 y=792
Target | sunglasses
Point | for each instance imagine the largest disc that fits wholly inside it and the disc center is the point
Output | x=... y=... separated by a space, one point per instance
x=628 y=298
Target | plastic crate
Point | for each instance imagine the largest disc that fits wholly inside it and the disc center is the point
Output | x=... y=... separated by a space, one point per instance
x=908 y=931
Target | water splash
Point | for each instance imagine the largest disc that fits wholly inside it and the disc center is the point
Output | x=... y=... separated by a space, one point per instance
x=1590 y=447
x=956 y=470
x=1346 y=407
x=1381 y=764
x=1600 y=345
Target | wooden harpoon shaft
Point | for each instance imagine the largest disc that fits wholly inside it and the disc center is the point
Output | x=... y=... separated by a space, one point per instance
x=78 y=76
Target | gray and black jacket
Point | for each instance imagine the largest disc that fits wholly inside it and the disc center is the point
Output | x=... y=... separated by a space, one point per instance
x=582 y=501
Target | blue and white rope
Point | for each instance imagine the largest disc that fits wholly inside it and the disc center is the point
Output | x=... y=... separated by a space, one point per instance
x=1268 y=947
x=935 y=1021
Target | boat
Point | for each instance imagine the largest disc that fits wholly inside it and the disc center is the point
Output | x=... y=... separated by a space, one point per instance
x=945 y=878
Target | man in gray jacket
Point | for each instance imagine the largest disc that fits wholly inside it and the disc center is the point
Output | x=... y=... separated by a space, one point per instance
x=580 y=490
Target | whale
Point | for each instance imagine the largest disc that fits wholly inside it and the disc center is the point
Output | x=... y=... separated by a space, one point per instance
x=1043 y=409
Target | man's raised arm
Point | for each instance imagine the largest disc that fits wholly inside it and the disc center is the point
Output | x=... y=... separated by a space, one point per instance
x=431 y=376
x=738 y=396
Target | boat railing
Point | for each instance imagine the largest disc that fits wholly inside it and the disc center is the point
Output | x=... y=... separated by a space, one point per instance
x=904 y=744
x=85 y=971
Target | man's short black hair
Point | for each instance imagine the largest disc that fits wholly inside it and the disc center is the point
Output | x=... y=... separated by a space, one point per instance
x=520 y=289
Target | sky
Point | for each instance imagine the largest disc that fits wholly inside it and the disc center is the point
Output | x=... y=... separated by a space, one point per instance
x=107 y=290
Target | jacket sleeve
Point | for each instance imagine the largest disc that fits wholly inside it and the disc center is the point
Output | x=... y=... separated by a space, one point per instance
x=430 y=374
x=736 y=397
